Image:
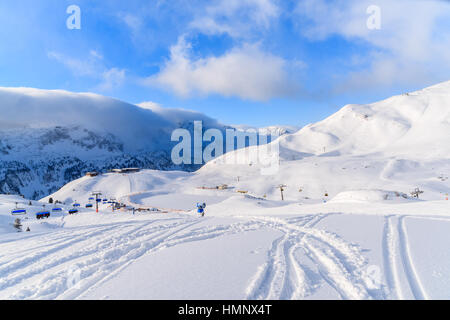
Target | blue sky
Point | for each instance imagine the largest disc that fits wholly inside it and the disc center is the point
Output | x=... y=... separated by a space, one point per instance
x=256 y=62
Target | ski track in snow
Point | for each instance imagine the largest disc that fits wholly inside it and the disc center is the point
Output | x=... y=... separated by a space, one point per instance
x=42 y=266
x=339 y=263
x=389 y=259
x=415 y=284
x=96 y=253
x=399 y=262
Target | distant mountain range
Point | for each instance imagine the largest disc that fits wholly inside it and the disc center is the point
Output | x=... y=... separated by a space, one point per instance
x=51 y=137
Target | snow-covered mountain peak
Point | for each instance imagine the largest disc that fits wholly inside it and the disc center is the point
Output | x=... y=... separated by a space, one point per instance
x=398 y=125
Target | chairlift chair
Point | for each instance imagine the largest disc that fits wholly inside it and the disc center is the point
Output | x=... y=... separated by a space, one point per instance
x=18 y=212
x=43 y=215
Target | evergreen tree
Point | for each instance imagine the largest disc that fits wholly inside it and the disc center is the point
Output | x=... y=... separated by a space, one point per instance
x=18 y=225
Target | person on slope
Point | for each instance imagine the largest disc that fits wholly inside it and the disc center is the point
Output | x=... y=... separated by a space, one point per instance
x=201 y=209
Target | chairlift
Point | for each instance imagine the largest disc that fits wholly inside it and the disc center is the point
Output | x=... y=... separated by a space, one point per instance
x=43 y=215
x=18 y=212
x=57 y=209
x=76 y=205
x=91 y=199
x=73 y=211
x=89 y=205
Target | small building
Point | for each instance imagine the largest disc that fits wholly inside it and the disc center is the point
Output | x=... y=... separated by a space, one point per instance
x=92 y=174
x=130 y=170
x=126 y=170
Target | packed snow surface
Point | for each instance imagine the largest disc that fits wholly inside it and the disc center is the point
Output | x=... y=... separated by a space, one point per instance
x=366 y=244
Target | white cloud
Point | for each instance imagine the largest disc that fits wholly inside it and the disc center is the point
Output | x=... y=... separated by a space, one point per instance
x=246 y=72
x=179 y=116
x=134 y=22
x=96 y=54
x=78 y=67
x=410 y=48
x=149 y=105
x=92 y=67
x=111 y=79
x=235 y=17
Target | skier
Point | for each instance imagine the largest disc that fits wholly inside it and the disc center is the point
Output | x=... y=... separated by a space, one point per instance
x=201 y=208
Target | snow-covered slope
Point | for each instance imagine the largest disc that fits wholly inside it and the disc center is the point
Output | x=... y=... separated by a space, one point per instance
x=270 y=130
x=397 y=145
x=362 y=245
x=414 y=124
